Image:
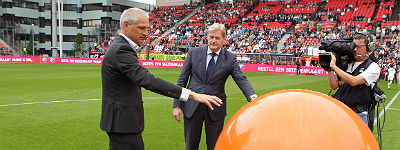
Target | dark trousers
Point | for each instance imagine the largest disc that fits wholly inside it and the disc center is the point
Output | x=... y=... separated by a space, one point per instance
x=298 y=70
x=371 y=118
x=126 y=141
x=194 y=125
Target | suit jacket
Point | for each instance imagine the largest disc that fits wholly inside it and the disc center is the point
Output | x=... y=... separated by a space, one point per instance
x=122 y=79
x=194 y=71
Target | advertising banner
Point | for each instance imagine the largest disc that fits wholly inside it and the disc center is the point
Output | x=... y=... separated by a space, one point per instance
x=285 y=69
x=11 y=59
x=5 y=59
x=157 y=63
x=79 y=60
x=162 y=57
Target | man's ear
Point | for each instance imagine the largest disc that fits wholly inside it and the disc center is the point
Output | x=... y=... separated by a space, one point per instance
x=125 y=26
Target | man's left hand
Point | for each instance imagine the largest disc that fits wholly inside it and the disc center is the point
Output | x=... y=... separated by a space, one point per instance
x=333 y=61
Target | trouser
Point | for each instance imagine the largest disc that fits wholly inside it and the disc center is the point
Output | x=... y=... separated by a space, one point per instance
x=193 y=127
x=366 y=114
x=126 y=141
x=298 y=70
x=364 y=117
x=371 y=115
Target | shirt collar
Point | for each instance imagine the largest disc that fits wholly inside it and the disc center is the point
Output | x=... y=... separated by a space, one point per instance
x=209 y=51
x=133 y=44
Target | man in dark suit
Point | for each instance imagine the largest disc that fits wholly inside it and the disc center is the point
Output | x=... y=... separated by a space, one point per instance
x=298 y=65
x=208 y=69
x=122 y=78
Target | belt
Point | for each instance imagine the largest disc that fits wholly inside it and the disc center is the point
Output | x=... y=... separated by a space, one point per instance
x=360 y=108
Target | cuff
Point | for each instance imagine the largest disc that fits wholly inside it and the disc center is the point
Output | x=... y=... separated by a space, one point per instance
x=185 y=94
x=252 y=96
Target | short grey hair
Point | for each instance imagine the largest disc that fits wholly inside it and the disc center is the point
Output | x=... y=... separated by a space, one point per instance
x=130 y=16
x=217 y=26
x=362 y=36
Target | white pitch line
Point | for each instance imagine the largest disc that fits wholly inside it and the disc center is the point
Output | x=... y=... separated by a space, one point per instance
x=49 y=102
x=394 y=108
x=387 y=106
x=63 y=101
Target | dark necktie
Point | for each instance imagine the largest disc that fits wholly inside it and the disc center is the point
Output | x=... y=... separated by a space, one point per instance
x=211 y=65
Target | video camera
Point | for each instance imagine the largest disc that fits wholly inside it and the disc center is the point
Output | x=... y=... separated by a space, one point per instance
x=343 y=51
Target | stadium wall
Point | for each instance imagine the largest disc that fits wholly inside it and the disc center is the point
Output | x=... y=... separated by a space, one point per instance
x=174 y=2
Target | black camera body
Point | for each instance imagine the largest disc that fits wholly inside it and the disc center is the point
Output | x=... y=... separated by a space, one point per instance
x=343 y=51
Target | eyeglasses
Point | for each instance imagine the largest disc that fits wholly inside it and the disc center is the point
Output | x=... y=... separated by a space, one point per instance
x=360 y=46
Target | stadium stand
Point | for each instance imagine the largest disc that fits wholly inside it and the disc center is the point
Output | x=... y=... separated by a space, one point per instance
x=302 y=7
x=256 y=27
x=165 y=17
x=385 y=10
x=192 y=31
x=4 y=50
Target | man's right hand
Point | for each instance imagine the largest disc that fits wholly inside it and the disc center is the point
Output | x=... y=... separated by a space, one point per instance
x=206 y=99
x=178 y=114
x=333 y=61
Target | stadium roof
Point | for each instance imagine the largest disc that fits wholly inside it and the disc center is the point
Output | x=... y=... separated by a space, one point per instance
x=153 y=2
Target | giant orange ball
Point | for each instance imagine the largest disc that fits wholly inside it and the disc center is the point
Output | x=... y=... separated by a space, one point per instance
x=296 y=120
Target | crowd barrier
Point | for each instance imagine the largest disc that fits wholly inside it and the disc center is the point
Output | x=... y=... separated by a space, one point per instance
x=284 y=69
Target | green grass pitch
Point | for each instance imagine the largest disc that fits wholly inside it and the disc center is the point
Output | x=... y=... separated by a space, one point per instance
x=74 y=125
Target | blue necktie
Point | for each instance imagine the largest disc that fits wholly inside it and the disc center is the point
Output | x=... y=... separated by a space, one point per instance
x=211 y=65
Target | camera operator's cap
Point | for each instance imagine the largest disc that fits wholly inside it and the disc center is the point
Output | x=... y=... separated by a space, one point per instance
x=370 y=41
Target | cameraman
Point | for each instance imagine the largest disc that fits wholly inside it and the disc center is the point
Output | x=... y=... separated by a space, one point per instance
x=359 y=78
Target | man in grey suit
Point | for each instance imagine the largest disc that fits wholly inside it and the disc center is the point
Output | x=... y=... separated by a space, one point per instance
x=122 y=115
x=208 y=69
